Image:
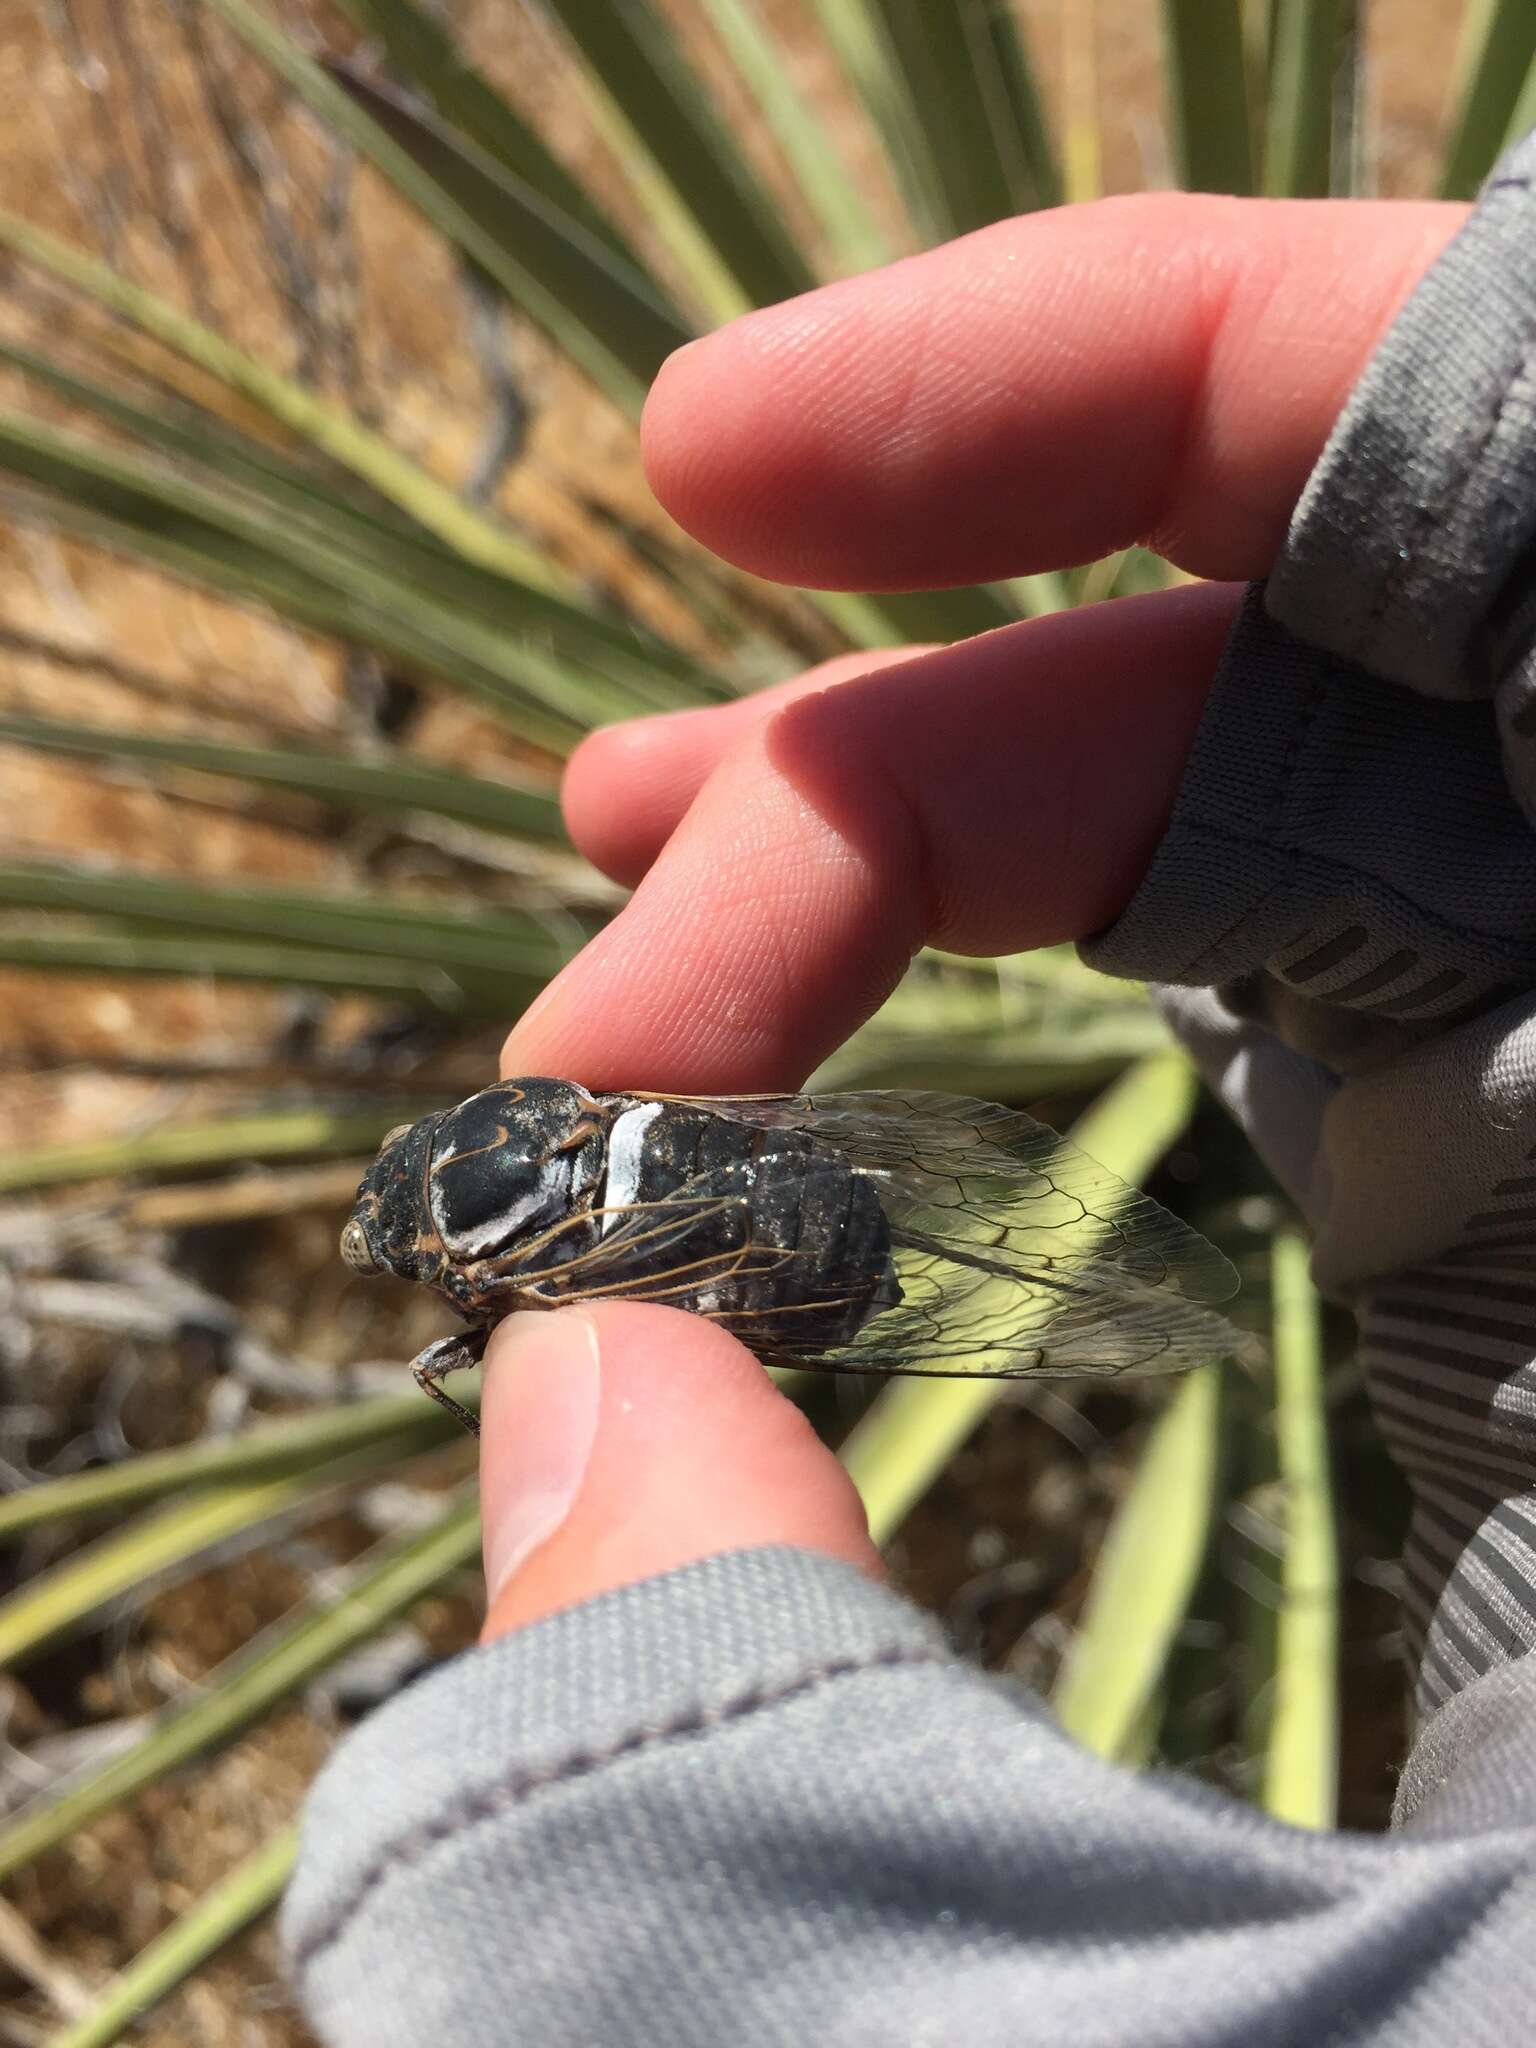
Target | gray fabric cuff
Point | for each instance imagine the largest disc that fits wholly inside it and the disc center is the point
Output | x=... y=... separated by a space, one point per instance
x=1354 y=839
x=1468 y=1756
x=1411 y=549
x=649 y=1668
x=756 y=1802
x=1423 y=505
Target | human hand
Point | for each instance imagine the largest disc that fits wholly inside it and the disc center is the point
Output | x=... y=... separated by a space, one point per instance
x=1164 y=369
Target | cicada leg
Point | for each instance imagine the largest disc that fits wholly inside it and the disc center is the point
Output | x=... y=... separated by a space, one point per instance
x=450 y=1354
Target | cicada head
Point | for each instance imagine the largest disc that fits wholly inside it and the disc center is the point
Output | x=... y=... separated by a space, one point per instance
x=471 y=1183
x=390 y=1229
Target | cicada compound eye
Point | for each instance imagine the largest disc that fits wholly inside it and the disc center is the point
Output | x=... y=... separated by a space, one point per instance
x=356 y=1250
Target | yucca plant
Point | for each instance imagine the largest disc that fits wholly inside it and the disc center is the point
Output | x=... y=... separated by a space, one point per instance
x=325 y=333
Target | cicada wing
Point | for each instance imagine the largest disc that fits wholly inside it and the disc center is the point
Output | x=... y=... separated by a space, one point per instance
x=975 y=1179
x=738 y=1245
x=963 y=1316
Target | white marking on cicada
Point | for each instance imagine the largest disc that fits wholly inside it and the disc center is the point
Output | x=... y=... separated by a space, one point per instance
x=624 y=1147
x=497 y=1232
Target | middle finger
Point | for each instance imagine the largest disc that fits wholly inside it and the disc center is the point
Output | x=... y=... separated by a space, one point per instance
x=1000 y=794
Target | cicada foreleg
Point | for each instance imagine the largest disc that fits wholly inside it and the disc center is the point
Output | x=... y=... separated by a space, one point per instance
x=450 y=1354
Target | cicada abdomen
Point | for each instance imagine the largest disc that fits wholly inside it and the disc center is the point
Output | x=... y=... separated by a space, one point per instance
x=795 y=1258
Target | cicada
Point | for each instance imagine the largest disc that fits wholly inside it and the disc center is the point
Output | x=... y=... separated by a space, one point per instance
x=873 y=1232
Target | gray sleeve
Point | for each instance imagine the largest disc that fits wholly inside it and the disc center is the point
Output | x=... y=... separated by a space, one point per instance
x=1343 y=912
x=758 y=1802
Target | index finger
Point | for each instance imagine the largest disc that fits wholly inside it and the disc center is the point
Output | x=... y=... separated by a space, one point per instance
x=1162 y=368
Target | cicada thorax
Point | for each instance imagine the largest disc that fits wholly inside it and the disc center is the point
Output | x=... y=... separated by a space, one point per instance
x=515 y=1163
x=793 y=1260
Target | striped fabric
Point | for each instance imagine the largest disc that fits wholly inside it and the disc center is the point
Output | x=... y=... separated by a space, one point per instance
x=1352 y=969
x=1418 y=1176
x=1449 y=1353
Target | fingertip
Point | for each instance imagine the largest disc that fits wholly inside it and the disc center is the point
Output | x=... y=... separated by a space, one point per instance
x=605 y=832
x=623 y=1440
x=670 y=446
x=759 y=379
x=627 y=785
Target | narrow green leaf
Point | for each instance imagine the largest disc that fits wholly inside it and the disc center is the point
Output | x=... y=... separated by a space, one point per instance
x=171 y=425
x=898 y=618
x=1493 y=67
x=296 y=1444
x=575 y=285
x=1523 y=119
x=441 y=207
x=860 y=620
x=970 y=84
x=1037 y=596
x=1008 y=1030
x=633 y=54
x=306 y=967
x=424 y=56
x=913 y=1427
x=1304 y=61
x=391 y=787
x=229 y=1141
x=390 y=1580
x=316 y=576
x=636 y=60
x=58 y=1601
x=1147 y=1570
x=1082 y=141
x=508 y=943
x=1301 y=1763
x=832 y=195
x=322 y=426
x=167 y=524
x=943 y=615
x=981 y=1065
x=1016 y=111
x=1350 y=140
x=250 y=1890
x=858 y=33
x=269 y=491
x=1208 y=93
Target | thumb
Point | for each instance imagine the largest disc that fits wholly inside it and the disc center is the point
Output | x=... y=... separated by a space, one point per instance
x=622 y=1440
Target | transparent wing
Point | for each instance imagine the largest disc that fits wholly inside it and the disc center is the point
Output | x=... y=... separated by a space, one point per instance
x=1014 y=1251
x=960 y=1316
x=975 y=1176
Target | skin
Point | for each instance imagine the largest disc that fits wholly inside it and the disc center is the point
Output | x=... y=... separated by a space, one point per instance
x=1162 y=368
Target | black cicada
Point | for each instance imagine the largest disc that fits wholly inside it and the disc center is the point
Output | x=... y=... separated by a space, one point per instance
x=881 y=1232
